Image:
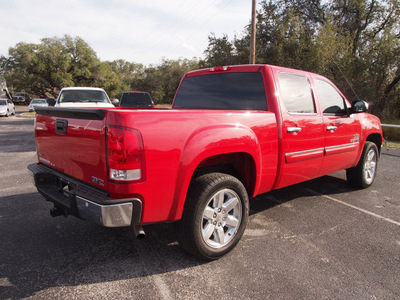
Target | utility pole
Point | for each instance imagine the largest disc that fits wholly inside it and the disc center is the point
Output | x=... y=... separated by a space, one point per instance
x=253 y=33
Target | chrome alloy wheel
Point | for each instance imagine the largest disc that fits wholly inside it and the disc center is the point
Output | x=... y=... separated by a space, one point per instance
x=221 y=218
x=370 y=166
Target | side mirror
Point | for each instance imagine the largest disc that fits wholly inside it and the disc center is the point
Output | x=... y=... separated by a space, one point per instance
x=358 y=107
x=115 y=102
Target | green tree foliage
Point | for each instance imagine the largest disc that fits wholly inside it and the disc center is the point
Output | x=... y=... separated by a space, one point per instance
x=349 y=41
x=127 y=73
x=161 y=81
x=43 y=69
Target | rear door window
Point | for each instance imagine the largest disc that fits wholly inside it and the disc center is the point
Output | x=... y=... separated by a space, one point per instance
x=239 y=91
x=296 y=93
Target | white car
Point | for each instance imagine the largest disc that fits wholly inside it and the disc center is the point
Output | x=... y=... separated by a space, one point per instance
x=83 y=97
x=37 y=103
x=6 y=107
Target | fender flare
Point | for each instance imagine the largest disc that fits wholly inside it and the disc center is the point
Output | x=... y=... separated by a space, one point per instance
x=208 y=142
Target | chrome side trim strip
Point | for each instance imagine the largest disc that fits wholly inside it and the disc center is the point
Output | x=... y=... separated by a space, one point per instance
x=305 y=151
x=342 y=146
x=325 y=148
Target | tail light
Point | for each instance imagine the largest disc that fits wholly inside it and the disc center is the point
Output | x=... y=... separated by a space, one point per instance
x=220 y=69
x=125 y=154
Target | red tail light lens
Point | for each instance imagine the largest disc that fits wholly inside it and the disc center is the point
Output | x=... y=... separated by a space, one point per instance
x=125 y=154
x=220 y=69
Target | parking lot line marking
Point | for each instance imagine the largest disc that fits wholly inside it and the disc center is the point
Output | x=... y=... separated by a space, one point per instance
x=162 y=287
x=354 y=207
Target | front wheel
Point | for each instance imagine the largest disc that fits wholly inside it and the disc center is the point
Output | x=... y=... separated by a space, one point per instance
x=363 y=175
x=215 y=216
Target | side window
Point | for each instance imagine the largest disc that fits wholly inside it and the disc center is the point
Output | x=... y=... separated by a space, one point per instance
x=331 y=101
x=296 y=93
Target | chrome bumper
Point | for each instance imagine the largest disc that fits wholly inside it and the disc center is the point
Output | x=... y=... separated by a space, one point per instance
x=79 y=199
x=114 y=215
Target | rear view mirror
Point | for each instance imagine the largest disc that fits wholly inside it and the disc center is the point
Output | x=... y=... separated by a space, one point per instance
x=358 y=107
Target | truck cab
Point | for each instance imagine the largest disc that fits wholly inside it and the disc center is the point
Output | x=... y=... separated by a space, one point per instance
x=83 y=97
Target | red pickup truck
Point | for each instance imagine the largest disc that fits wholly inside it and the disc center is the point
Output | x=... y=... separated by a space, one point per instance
x=232 y=133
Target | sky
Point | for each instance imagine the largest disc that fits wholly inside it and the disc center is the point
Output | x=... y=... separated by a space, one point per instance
x=139 y=31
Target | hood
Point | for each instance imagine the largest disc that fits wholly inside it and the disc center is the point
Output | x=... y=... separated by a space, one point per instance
x=84 y=104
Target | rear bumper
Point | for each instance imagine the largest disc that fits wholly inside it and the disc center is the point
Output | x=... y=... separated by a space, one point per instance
x=82 y=200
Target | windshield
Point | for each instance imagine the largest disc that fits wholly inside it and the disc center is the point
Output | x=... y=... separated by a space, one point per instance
x=83 y=96
x=3 y=102
x=142 y=100
x=37 y=101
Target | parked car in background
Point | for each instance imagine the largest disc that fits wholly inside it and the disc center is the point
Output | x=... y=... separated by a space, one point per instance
x=6 y=107
x=83 y=97
x=21 y=98
x=37 y=103
x=135 y=100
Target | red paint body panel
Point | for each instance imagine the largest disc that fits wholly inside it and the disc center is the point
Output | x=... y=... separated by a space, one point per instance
x=81 y=153
x=178 y=141
x=174 y=151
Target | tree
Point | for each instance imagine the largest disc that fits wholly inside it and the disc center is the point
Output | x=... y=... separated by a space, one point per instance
x=349 y=41
x=220 y=51
x=162 y=81
x=43 y=69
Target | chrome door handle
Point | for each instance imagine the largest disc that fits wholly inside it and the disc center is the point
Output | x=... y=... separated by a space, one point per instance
x=331 y=128
x=293 y=129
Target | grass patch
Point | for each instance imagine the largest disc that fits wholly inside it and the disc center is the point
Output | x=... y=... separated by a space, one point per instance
x=391 y=133
x=31 y=114
x=163 y=105
x=395 y=145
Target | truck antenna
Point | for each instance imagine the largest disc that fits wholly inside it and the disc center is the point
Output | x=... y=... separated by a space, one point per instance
x=345 y=78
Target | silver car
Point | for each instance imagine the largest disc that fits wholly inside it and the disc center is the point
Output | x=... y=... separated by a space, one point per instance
x=6 y=107
x=37 y=102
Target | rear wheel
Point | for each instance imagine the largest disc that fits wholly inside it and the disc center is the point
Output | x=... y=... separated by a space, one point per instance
x=363 y=175
x=215 y=216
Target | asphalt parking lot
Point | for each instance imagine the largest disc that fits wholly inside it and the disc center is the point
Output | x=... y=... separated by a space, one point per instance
x=317 y=240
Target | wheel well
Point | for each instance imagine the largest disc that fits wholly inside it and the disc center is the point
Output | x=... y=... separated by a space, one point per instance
x=239 y=165
x=377 y=139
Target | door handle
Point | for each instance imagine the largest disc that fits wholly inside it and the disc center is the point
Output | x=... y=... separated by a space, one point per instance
x=293 y=129
x=61 y=126
x=331 y=128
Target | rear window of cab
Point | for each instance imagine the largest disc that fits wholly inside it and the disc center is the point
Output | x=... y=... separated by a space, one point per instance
x=237 y=91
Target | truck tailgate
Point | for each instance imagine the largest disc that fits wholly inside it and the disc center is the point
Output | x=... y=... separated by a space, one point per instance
x=72 y=141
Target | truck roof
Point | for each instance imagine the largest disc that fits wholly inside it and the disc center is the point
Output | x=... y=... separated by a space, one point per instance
x=82 y=88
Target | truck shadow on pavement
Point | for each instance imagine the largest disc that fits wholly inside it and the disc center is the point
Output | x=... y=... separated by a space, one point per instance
x=39 y=252
x=327 y=185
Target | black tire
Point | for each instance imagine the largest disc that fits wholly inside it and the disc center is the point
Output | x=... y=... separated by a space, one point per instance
x=209 y=227
x=363 y=175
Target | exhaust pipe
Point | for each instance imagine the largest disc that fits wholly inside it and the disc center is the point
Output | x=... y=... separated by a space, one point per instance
x=139 y=232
